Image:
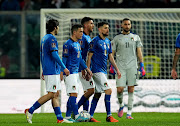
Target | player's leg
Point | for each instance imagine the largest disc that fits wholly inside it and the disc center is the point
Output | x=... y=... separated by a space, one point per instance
x=93 y=106
x=131 y=82
x=88 y=87
x=120 y=84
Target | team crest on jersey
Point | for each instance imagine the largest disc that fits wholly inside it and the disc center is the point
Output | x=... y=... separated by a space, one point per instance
x=80 y=42
x=105 y=84
x=91 y=82
x=53 y=45
x=65 y=51
x=132 y=39
x=108 y=46
x=74 y=87
x=91 y=46
x=54 y=87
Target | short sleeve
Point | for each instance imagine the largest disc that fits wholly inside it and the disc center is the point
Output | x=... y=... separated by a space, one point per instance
x=113 y=44
x=109 y=46
x=53 y=44
x=178 y=41
x=138 y=42
x=66 y=49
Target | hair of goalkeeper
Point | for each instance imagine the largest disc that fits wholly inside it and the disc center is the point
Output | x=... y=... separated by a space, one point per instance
x=126 y=19
x=75 y=27
x=100 y=24
x=85 y=19
x=50 y=25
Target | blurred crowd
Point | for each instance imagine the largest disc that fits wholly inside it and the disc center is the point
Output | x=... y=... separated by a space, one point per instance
x=11 y=5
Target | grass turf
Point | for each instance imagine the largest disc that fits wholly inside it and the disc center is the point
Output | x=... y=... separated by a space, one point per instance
x=140 y=119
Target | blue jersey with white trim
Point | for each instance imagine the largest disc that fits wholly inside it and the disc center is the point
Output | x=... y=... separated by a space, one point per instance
x=100 y=49
x=84 y=42
x=49 y=65
x=178 y=41
x=72 y=51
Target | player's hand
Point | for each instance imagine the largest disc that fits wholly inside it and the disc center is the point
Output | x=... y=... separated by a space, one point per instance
x=143 y=72
x=111 y=70
x=66 y=71
x=83 y=73
x=118 y=74
x=89 y=74
x=61 y=76
x=174 y=74
x=42 y=76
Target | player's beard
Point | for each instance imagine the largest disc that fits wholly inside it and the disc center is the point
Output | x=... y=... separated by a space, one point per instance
x=126 y=30
x=105 y=35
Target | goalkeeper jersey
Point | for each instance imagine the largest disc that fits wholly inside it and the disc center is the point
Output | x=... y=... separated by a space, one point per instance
x=49 y=65
x=178 y=41
x=100 y=49
x=125 y=47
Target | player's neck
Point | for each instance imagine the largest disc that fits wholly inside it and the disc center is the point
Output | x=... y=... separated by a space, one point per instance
x=74 y=38
x=87 y=32
x=102 y=36
x=125 y=33
x=52 y=33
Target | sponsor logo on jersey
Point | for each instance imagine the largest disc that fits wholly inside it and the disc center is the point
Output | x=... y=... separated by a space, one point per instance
x=108 y=46
x=91 y=46
x=132 y=39
x=80 y=42
x=54 y=87
x=53 y=45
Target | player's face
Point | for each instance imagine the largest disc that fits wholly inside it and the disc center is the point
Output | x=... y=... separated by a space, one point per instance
x=79 y=33
x=105 y=30
x=90 y=25
x=126 y=25
x=57 y=30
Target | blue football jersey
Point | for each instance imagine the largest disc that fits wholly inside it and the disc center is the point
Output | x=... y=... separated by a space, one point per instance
x=72 y=51
x=178 y=41
x=49 y=65
x=100 y=49
x=84 y=42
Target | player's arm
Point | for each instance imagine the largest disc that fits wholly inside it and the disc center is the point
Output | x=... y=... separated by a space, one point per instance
x=90 y=54
x=175 y=60
x=111 y=59
x=140 y=57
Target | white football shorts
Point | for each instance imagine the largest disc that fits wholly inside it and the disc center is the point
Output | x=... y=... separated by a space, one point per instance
x=72 y=83
x=86 y=84
x=101 y=82
x=52 y=83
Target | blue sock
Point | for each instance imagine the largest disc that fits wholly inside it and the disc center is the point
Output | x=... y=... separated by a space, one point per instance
x=58 y=113
x=69 y=109
x=108 y=104
x=93 y=105
x=35 y=106
x=86 y=105
x=82 y=101
x=73 y=104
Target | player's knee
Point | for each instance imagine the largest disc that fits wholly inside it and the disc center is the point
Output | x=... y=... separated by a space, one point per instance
x=120 y=89
x=91 y=91
x=108 y=91
x=97 y=95
x=131 y=89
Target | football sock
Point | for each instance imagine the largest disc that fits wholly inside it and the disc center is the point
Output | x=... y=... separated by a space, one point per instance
x=69 y=109
x=82 y=101
x=108 y=104
x=73 y=104
x=35 y=106
x=120 y=99
x=58 y=113
x=93 y=106
x=86 y=105
x=130 y=102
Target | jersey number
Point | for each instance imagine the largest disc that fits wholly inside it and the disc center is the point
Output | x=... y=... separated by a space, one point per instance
x=127 y=44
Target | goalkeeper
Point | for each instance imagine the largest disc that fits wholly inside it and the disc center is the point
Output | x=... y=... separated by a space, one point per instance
x=127 y=47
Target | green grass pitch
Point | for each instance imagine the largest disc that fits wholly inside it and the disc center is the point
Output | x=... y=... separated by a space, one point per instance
x=140 y=119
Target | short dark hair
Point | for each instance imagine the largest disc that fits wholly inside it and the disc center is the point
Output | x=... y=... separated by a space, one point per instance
x=126 y=19
x=102 y=23
x=84 y=20
x=75 y=27
x=50 y=24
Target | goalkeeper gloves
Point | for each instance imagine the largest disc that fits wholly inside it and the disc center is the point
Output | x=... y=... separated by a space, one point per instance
x=143 y=72
x=111 y=70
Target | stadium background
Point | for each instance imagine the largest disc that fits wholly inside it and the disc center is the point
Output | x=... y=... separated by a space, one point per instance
x=20 y=38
